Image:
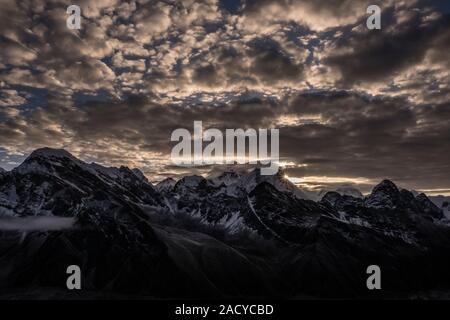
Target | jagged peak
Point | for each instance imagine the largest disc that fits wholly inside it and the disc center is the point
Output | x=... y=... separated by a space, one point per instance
x=2 y=170
x=423 y=198
x=44 y=160
x=386 y=186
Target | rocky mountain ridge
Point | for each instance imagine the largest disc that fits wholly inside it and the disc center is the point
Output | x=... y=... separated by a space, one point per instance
x=233 y=234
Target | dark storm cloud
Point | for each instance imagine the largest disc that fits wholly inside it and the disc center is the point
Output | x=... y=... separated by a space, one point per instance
x=136 y=125
x=406 y=37
x=363 y=137
x=356 y=136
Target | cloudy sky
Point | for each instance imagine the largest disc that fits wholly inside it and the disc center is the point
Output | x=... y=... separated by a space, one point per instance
x=353 y=105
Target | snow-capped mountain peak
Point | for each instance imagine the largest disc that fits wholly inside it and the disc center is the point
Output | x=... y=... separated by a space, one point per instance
x=278 y=180
x=51 y=153
x=384 y=195
x=48 y=160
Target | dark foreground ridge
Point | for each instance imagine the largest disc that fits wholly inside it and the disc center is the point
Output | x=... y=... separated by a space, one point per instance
x=235 y=235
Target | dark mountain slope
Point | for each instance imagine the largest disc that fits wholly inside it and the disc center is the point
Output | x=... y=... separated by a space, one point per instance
x=235 y=235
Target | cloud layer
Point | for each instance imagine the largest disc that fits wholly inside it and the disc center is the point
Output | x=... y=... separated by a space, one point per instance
x=349 y=102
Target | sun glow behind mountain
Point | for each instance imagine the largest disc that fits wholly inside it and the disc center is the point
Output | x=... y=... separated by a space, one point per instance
x=317 y=182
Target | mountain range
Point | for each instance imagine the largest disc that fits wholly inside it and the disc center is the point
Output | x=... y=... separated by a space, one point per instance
x=229 y=235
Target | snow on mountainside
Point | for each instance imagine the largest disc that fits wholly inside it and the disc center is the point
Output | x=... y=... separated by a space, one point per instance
x=389 y=200
x=233 y=233
x=47 y=160
x=53 y=182
x=108 y=233
x=233 y=183
x=52 y=153
x=249 y=181
x=384 y=195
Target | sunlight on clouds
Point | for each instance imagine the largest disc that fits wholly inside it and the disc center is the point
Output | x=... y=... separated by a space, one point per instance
x=308 y=180
x=295 y=120
x=437 y=192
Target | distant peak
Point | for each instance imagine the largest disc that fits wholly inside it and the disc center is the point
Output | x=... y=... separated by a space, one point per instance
x=331 y=197
x=167 y=180
x=422 y=197
x=46 y=160
x=166 y=185
x=428 y=206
